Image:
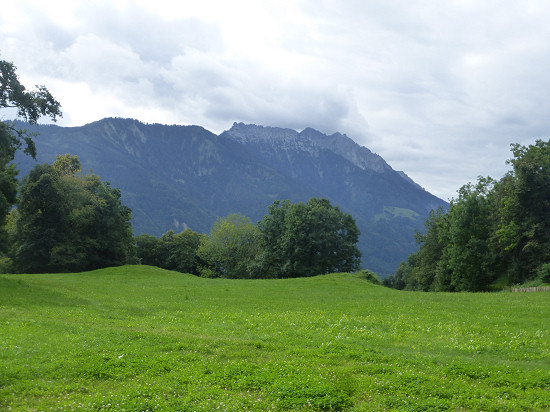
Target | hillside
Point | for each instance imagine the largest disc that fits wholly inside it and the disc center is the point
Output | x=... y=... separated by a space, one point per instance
x=174 y=177
x=142 y=338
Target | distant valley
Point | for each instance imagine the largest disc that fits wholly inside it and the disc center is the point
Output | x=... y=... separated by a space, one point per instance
x=177 y=177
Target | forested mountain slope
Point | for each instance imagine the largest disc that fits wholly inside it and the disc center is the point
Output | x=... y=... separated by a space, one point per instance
x=175 y=177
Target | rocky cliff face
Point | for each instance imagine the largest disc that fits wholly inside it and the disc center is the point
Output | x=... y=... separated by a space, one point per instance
x=342 y=145
x=174 y=177
x=304 y=156
x=309 y=140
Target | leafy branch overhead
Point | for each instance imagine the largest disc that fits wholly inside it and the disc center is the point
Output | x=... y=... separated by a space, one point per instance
x=30 y=105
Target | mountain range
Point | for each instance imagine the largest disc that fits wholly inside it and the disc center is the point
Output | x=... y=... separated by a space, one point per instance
x=177 y=177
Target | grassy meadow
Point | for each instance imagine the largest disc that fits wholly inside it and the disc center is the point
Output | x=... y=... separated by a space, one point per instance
x=138 y=338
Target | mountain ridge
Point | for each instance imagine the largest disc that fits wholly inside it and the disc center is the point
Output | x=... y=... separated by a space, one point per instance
x=177 y=177
x=336 y=142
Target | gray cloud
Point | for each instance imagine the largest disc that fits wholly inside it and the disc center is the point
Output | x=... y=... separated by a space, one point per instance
x=439 y=89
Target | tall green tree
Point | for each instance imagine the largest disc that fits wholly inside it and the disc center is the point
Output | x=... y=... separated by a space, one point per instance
x=306 y=239
x=402 y=274
x=183 y=252
x=421 y=268
x=273 y=258
x=524 y=229
x=230 y=249
x=467 y=263
x=146 y=250
x=494 y=234
x=43 y=223
x=70 y=222
x=30 y=106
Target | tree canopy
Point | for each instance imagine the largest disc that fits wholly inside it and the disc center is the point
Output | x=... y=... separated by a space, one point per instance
x=172 y=251
x=230 y=248
x=30 y=106
x=292 y=240
x=68 y=221
x=306 y=239
x=495 y=233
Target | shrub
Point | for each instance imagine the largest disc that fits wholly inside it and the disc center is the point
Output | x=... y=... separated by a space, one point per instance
x=369 y=276
x=544 y=273
x=6 y=265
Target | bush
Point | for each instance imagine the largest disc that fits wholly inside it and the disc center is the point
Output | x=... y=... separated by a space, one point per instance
x=544 y=273
x=369 y=276
x=6 y=265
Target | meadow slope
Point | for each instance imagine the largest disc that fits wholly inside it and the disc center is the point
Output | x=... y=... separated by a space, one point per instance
x=142 y=338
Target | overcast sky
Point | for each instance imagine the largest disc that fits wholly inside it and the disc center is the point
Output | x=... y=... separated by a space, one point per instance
x=438 y=88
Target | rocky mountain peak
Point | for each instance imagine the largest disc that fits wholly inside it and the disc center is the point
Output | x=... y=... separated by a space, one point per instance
x=347 y=148
x=309 y=140
x=249 y=133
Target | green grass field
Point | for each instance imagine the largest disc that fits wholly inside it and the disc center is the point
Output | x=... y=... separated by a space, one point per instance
x=141 y=338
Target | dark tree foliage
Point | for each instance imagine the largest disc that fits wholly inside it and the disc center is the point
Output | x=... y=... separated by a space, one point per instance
x=399 y=279
x=467 y=262
x=30 y=105
x=306 y=239
x=171 y=251
x=183 y=253
x=292 y=240
x=8 y=192
x=70 y=222
x=43 y=223
x=494 y=234
x=422 y=266
x=147 y=250
x=524 y=228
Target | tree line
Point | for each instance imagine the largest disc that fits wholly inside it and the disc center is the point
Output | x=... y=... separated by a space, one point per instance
x=66 y=220
x=293 y=239
x=494 y=234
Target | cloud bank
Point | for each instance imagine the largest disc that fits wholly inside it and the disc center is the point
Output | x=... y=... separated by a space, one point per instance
x=439 y=89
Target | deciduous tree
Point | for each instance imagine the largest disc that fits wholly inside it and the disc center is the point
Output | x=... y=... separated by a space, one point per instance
x=524 y=229
x=494 y=234
x=30 y=106
x=306 y=239
x=70 y=222
x=171 y=251
x=230 y=248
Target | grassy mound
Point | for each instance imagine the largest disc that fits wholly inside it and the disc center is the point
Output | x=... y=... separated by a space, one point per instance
x=142 y=338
